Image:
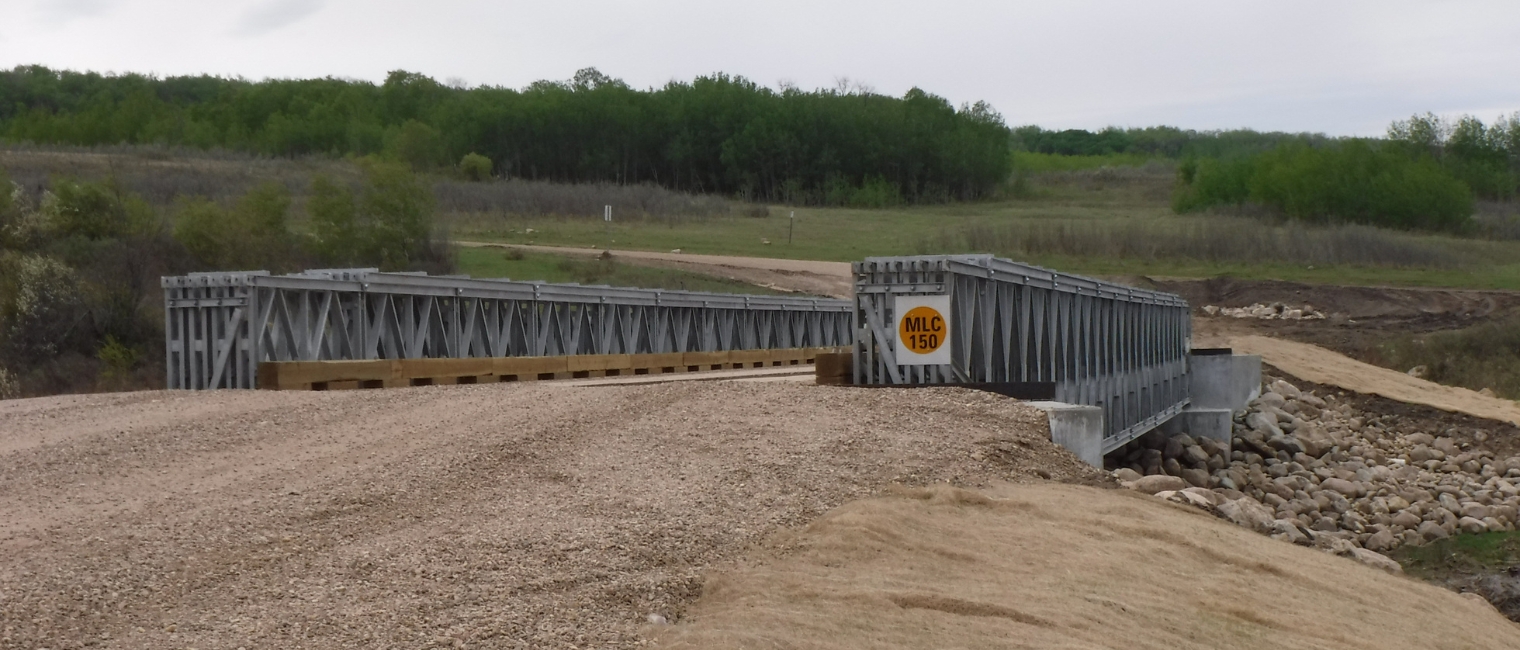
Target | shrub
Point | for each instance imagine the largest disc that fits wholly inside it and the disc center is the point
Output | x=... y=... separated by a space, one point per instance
x=116 y=359
x=1485 y=356
x=418 y=145
x=253 y=234
x=42 y=313
x=399 y=211
x=1212 y=182
x=93 y=210
x=475 y=167
x=1354 y=181
x=875 y=192
x=334 y=222
x=388 y=223
x=10 y=387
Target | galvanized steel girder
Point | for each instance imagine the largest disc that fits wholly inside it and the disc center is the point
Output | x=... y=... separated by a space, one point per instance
x=1120 y=348
x=219 y=326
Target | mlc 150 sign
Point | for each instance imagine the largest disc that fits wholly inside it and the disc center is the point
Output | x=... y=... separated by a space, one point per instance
x=923 y=330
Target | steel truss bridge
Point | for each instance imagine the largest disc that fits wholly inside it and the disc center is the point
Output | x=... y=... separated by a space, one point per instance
x=1122 y=349
x=220 y=326
x=1088 y=342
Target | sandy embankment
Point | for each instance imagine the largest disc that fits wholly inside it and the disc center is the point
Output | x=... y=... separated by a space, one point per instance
x=1062 y=566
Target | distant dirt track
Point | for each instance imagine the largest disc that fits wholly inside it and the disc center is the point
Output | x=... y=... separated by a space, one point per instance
x=805 y=276
x=510 y=516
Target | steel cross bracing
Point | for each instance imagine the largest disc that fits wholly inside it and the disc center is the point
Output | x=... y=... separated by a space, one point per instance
x=1119 y=348
x=219 y=326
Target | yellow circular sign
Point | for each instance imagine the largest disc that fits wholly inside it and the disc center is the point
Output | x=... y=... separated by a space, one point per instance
x=921 y=330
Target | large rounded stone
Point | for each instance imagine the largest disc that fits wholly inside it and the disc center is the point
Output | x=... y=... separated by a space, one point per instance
x=1194 y=455
x=1172 y=467
x=1472 y=526
x=1345 y=488
x=1407 y=519
x=1475 y=510
x=1264 y=424
x=1376 y=560
x=1288 y=444
x=1157 y=483
x=1381 y=541
x=1247 y=513
x=1196 y=477
x=1432 y=531
x=1326 y=525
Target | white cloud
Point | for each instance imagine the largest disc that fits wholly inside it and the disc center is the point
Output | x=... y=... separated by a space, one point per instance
x=56 y=13
x=272 y=15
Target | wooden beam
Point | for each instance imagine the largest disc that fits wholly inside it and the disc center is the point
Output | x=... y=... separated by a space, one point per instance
x=388 y=373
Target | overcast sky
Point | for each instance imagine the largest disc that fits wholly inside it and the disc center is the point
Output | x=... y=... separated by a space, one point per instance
x=1340 y=67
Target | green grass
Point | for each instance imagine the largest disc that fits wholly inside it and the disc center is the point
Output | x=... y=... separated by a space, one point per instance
x=501 y=263
x=1107 y=221
x=1465 y=554
x=1478 y=357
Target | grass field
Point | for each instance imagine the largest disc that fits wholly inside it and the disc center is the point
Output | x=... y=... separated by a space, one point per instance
x=499 y=263
x=1107 y=221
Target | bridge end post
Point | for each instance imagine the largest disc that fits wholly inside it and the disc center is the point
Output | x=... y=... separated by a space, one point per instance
x=1076 y=427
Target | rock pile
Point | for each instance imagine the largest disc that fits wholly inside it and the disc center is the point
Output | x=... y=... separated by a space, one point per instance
x=1312 y=470
x=1274 y=311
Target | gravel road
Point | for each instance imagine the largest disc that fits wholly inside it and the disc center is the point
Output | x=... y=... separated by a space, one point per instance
x=500 y=516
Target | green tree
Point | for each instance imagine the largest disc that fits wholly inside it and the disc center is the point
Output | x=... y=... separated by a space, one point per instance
x=397 y=208
x=94 y=211
x=475 y=167
x=334 y=223
x=251 y=235
x=418 y=145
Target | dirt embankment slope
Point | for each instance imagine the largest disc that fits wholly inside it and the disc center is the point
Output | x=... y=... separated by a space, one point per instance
x=1062 y=566
x=508 y=516
x=1321 y=366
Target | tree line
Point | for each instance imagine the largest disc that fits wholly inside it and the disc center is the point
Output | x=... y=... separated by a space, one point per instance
x=80 y=303
x=1426 y=174
x=715 y=134
x=1155 y=141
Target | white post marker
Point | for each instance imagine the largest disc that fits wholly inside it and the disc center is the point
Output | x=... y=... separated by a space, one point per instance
x=607 y=214
x=923 y=330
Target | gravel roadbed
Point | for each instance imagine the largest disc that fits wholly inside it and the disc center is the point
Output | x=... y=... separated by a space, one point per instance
x=502 y=516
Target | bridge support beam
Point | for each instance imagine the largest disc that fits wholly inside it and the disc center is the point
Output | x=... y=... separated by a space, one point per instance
x=1076 y=427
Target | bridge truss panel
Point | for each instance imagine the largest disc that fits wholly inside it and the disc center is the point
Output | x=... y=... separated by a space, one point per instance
x=1121 y=349
x=220 y=326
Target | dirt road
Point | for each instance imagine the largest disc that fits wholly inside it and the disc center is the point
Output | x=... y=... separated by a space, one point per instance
x=1321 y=366
x=505 y=516
x=804 y=276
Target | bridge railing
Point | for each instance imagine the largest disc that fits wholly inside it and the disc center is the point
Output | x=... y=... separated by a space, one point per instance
x=220 y=326
x=1100 y=344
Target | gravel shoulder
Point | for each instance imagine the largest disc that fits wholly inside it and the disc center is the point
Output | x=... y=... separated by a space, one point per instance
x=506 y=516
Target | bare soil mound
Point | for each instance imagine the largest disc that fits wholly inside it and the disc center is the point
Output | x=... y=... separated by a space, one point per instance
x=1321 y=366
x=481 y=516
x=1407 y=307
x=1358 y=319
x=1062 y=566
